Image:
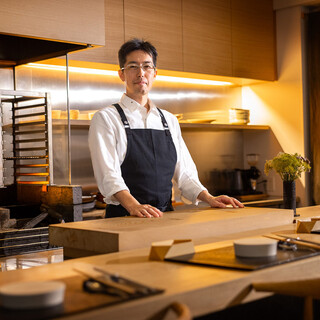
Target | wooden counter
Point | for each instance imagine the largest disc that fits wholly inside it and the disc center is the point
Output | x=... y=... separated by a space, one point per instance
x=92 y=237
x=202 y=289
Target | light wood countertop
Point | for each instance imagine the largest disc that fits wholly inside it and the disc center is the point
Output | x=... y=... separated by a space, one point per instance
x=118 y=234
x=202 y=289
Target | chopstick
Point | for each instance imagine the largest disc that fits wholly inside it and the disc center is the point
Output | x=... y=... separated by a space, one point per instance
x=300 y=242
x=106 y=280
x=120 y=280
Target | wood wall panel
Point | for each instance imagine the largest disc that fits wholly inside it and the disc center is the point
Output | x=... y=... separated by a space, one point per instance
x=78 y=21
x=207 y=36
x=217 y=37
x=253 y=39
x=114 y=36
x=313 y=67
x=160 y=23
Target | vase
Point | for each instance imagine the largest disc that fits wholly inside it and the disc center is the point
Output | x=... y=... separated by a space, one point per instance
x=289 y=196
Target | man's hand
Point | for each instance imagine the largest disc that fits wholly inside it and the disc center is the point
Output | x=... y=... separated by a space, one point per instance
x=144 y=211
x=223 y=201
x=135 y=208
x=220 y=201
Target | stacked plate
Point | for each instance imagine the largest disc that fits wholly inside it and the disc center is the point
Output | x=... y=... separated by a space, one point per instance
x=239 y=116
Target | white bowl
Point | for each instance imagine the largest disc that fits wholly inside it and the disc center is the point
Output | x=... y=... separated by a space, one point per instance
x=255 y=247
x=32 y=295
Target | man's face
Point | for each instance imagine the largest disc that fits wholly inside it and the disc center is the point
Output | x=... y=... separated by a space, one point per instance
x=138 y=80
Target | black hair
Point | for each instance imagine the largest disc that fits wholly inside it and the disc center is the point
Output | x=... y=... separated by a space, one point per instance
x=136 y=44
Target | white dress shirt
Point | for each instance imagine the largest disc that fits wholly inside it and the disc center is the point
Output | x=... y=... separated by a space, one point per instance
x=108 y=146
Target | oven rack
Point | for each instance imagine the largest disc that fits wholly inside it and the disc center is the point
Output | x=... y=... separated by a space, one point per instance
x=31 y=147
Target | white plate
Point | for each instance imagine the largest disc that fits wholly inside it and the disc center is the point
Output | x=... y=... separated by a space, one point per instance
x=255 y=247
x=32 y=295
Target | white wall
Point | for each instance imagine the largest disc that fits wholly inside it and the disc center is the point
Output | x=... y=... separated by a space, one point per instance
x=280 y=103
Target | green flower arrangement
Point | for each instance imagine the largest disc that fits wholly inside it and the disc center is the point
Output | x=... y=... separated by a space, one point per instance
x=289 y=166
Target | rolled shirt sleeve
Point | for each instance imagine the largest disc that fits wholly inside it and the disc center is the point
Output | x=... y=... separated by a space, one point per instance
x=186 y=174
x=104 y=156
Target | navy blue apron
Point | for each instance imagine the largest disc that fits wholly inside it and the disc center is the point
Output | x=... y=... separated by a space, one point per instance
x=148 y=166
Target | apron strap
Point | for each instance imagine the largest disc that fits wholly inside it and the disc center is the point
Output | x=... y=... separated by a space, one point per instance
x=123 y=117
x=126 y=125
x=164 y=122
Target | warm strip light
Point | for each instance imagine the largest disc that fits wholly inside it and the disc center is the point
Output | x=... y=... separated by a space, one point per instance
x=115 y=73
x=193 y=81
x=73 y=69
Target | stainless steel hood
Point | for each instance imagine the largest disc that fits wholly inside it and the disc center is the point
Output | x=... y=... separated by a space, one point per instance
x=17 y=50
x=33 y=30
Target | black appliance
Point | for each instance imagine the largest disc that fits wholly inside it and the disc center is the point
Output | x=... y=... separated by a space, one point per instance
x=235 y=182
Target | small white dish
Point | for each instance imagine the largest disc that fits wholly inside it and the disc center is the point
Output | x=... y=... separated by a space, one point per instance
x=257 y=247
x=32 y=295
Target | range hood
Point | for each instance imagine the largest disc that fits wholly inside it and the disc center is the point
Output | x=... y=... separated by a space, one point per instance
x=17 y=50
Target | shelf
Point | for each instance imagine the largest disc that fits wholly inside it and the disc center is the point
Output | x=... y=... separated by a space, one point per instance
x=221 y=126
x=74 y=123
x=17 y=95
x=184 y=126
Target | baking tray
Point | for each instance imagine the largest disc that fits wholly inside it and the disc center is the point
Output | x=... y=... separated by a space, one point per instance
x=226 y=258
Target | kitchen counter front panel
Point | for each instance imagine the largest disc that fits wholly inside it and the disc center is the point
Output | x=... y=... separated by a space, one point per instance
x=118 y=234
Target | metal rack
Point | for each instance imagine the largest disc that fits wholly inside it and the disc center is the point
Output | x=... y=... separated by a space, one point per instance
x=30 y=128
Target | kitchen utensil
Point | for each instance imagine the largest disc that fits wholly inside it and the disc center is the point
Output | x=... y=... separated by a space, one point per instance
x=253 y=173
x=137 y=287
x=93 y=286
x=113 y=280
x=298 y=241
x=285 y=245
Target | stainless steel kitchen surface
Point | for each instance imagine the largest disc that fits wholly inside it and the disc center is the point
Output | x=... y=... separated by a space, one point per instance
x=93 y=92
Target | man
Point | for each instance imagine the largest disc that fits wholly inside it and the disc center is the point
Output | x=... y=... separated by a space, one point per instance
x=137 y=149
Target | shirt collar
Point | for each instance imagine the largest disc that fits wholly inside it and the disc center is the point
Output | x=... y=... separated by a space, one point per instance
x=132 y=105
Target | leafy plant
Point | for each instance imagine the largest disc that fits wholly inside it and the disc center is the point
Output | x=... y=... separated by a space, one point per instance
x=289 y=166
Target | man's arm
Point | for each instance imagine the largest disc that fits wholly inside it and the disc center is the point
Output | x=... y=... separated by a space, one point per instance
x=135 y=208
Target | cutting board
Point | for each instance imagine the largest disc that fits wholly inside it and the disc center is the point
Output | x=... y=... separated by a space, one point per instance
x=225 y=257
x=118 y=234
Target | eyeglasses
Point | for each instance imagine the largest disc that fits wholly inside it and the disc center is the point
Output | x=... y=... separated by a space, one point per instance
x=134 y=67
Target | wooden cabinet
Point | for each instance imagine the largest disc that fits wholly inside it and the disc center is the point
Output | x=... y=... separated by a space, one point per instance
x=218 y=37
x=67 y=21
x=160 y=23
x=253 y=39
x=229 y=38
x=207 y=36
x=114 y=36
x=151 y=20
